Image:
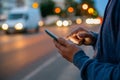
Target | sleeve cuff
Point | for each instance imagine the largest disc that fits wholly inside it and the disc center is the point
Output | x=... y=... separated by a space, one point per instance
x=79 y=59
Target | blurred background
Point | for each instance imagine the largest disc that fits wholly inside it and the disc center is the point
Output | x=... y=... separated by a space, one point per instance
x=27 y=52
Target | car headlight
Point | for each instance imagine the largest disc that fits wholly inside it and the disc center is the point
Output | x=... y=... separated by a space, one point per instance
x=19 y=26
x=65 y=23
x=59 y=23
x=5 y=26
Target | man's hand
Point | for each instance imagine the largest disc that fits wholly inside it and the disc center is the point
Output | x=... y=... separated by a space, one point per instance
x=81 y=36
x=66 y=48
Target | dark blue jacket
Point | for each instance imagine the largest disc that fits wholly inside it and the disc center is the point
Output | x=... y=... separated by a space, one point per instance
x=106 y=65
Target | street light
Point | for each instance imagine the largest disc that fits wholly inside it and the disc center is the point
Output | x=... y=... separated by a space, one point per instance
x=85 y=6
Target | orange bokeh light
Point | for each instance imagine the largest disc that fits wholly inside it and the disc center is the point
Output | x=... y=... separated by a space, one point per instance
x=57 y=10
x=35 y=5
x=70 y=9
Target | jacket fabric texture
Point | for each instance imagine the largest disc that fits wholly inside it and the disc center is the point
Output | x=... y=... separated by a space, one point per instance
x=106 y=65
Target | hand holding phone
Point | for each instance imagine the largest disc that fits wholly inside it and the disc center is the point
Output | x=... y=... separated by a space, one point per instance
x=51 y=34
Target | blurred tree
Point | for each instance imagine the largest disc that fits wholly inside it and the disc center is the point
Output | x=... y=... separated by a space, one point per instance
x=47 y=7
x=87 y=12
x=71 y=4
x=20 y=3
x=1 y=7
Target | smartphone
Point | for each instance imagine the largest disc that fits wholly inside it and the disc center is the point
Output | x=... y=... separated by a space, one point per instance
x=51 y=34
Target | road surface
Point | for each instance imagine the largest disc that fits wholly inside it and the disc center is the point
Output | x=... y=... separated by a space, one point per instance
x=33 y=57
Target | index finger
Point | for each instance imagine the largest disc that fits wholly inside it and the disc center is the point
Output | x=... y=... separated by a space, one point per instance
x=75 y=31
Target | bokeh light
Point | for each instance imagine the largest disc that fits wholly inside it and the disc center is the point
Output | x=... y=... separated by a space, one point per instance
x=35 y=5
x=90 y=10
x=85 y=6
x=70 y=9
x=57 y=10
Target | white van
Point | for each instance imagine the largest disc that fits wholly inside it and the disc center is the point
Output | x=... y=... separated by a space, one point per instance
x=22 y=20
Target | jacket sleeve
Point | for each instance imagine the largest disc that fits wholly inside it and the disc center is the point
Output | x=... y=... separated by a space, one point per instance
x=92 y=69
